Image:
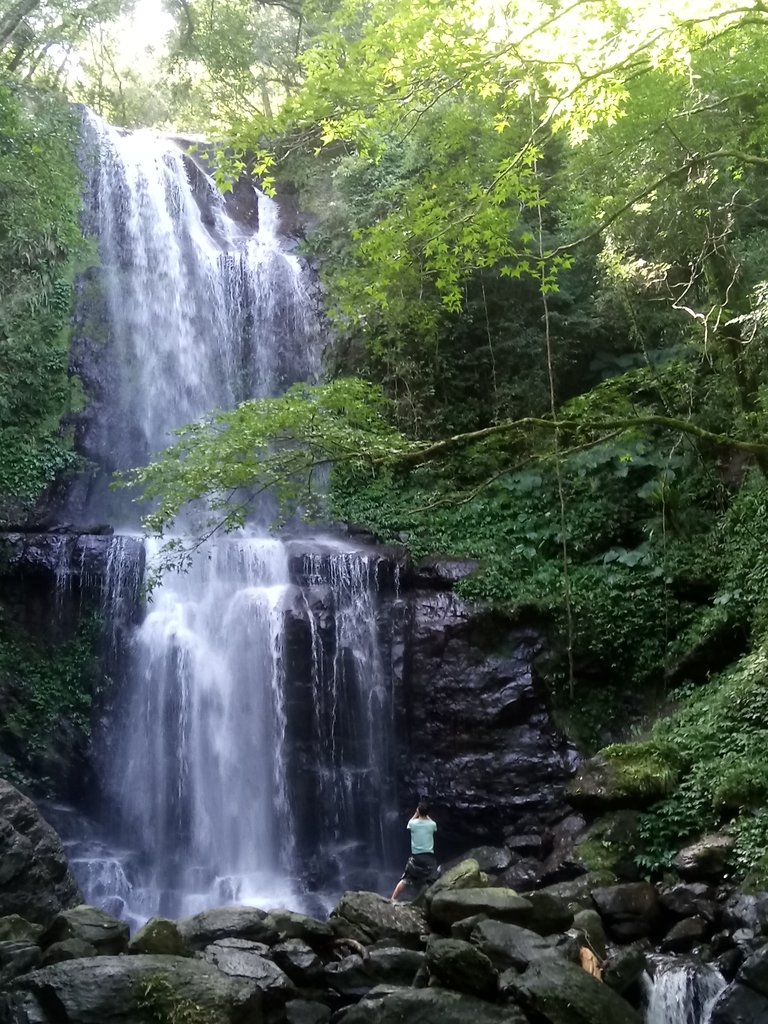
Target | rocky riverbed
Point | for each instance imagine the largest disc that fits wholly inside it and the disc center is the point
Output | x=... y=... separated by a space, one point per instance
x=471 y=948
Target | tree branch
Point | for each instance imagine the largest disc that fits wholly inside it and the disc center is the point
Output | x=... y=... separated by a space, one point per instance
x=420 y=456
x=694 y=161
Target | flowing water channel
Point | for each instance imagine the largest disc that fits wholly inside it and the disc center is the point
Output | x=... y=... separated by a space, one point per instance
x=682 y=991
x=244 y=751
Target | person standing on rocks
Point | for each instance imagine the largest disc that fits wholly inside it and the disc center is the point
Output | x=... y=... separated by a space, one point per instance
x=421 y=866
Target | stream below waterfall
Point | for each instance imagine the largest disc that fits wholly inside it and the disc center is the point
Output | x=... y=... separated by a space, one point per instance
x=243 y=751
x=682 y=991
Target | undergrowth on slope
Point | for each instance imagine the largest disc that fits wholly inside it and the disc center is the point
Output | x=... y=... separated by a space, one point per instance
x=716 y=743
x=41 y=249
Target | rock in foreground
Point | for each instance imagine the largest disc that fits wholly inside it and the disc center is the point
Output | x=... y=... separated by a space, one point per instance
x=129 y=990
x=431 y=1006
x=35 y=880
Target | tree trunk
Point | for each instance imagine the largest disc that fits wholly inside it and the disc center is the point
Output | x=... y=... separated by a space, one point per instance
x=11 y=21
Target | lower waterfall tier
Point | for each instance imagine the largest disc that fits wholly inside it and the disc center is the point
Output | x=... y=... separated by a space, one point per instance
x=270 y=719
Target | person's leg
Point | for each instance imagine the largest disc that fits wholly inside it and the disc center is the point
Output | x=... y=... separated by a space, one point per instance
x=398 y=890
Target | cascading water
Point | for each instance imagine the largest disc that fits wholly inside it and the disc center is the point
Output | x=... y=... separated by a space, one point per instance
x=200 y=773
x=682 y=992
x=203 y=748
x=200 y=311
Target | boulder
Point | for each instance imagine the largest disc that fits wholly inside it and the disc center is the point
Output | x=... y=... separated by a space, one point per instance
x=490 y=859
x=106 y=934
x=738 y=1004
x=729 y=962
x=306 y=1011
x=577 y=892
x=68 y=949
x=367 y=918
x=707 y=858
x=629 y=911
x=744 y=938
x=508 y=945
x=550 y=913
x=754 y=972
x=605 y=784
x=524 y=875
x=608 y=844
x=128 y=990
x=625 y=967
x=590 y=925
x=463 y=929
x=299 y=961
x=159 y=935
x=525 y=845
x=463 y=967
x=23 y=959
x=351 y=977
x=35 y=880
x=354 y=977
x=500 y=904
x=464 y=875
x=690 y=899
x=555 y=991
x=431 y=1006
x=745 y=1000
x=15 y=929
x=443 y=573
x=228 y=923
x=392 y=965
x=239 y=958
x=540 y=911
x=562 y=861
x=721 y=941
x=683 y=936
x=742 y=911
x=290 y=925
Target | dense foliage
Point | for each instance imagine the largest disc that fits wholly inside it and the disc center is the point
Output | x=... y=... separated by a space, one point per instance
x=46 y=691
x=41 y=248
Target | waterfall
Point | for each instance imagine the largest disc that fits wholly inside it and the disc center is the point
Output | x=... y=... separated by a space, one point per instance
x=682 y=992
x=199 y=312
x=238 y=761
x=197 y=780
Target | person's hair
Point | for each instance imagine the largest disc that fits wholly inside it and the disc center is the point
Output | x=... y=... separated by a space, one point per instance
x=423 y=809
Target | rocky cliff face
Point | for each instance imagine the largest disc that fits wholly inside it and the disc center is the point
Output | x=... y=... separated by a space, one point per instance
x=475 y=734
x=63 y=601
x=35 y=881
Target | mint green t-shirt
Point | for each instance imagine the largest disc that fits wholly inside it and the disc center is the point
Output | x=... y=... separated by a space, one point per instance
x=422 y=835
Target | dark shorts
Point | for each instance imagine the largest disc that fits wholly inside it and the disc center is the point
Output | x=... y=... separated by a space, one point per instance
x=421 y=868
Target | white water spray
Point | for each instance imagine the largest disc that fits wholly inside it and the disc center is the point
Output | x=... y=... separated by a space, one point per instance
x=682 y=992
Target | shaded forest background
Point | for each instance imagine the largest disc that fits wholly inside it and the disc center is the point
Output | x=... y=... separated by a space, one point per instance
x=543 y=235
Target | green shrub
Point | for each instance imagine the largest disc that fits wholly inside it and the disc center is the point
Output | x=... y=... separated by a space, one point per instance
x=163 y=1004
x=719 y=735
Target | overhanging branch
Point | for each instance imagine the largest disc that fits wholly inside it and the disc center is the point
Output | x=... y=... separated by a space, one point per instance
x=434 y=451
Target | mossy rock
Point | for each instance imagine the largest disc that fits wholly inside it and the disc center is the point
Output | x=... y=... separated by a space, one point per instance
x=632 y=775
x=159 y=935
x=464 y=875
x=609 y=844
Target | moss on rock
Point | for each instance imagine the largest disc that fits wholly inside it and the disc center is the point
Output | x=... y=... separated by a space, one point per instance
x=624 y=776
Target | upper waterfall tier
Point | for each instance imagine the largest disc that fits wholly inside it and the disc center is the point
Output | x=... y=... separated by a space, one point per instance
x=188 y=312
